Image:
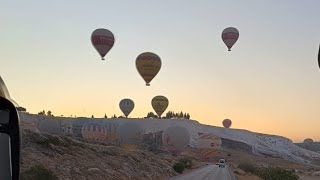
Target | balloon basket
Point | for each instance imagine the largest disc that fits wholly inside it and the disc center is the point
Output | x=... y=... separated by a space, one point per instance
x=147 y=84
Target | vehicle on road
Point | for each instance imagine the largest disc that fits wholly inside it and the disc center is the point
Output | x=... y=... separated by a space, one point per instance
x=222 y=163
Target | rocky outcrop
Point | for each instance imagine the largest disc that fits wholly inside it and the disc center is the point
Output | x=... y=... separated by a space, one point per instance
x=72 y=159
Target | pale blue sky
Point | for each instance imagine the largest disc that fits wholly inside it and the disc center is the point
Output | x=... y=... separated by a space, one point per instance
x=269 y=80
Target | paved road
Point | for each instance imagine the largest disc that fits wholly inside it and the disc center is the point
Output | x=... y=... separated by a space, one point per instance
x=209 y=172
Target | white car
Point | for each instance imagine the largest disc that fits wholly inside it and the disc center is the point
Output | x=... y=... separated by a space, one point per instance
x=222 y=163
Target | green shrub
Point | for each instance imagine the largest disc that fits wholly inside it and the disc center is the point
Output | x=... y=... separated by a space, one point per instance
x=276 y=174
x=179 y=167
x=187 y=162
x=38 y=172
x=247 y=167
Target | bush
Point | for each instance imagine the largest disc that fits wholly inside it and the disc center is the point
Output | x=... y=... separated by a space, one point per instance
x=187 y=162
x=38 y=172
x=229 y=154
x=179 y=167
x=247 y=167
x=276 y=174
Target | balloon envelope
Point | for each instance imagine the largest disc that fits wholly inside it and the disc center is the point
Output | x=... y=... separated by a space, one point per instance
x=102 y=40
x=230 y=36
x=94 y=132
x=227 y=123
x=148 y=65
x=175 y=139
x=126 y=106
x=159 y=104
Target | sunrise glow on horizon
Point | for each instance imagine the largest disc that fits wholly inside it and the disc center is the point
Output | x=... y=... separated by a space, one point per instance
x=268 y=83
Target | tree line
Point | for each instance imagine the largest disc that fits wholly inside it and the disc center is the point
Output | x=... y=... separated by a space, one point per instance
x=169 y=115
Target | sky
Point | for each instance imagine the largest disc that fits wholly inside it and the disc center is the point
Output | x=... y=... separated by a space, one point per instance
x=268 y=83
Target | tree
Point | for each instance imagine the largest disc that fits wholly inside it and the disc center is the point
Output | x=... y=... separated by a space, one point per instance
x=181 y=115
x=43 y=113
x=105 y=116
x=92 y=116
x=49 y=113
x=188 y=116
x=151 y=115
x=114 y=116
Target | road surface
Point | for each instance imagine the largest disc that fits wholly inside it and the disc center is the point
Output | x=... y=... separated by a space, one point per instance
x=209 y=172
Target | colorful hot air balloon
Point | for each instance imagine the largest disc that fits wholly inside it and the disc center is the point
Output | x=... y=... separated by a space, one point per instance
x=102 y=40
x=126 y=106
x=230 y=36
x=159 y=104
x=227 y=123
x=148 y=65
x=175 y=139
x=94 y=132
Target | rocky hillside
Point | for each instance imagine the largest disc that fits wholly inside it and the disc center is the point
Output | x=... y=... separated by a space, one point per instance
x=71 y=159
x=314 y=146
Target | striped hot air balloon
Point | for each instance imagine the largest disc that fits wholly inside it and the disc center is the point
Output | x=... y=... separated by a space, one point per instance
x=230 y=36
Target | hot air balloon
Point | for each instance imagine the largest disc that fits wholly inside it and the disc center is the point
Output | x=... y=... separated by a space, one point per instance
x=94 y=132
x=159 y=104
x=102 y=40
x=126 y=106
x=148 y=65
x=227 y=123
x=209 y=144
x=130 y=135
x=175 y=139
x=230 y=36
